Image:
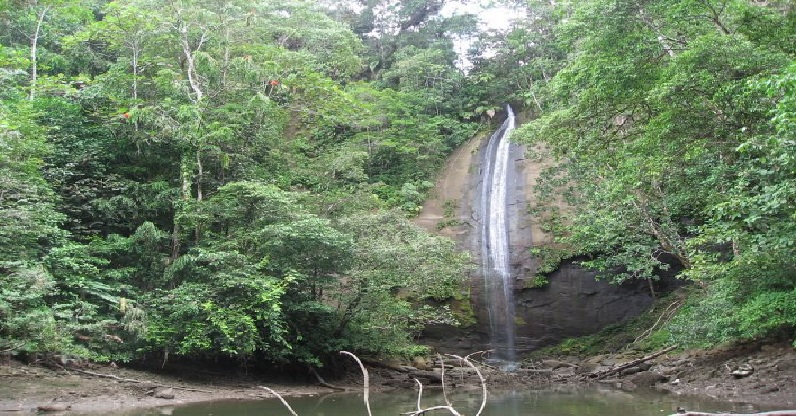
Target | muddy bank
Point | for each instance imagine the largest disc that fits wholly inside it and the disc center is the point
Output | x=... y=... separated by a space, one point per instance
x=762 y=375
x=24 y=388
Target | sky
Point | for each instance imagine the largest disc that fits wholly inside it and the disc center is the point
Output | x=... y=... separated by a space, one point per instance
x=492 y=16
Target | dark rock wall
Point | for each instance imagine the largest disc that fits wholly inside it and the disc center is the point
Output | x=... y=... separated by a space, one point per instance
x=574 y=303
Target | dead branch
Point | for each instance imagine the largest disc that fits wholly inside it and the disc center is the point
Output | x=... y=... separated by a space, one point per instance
x=442 y=381
x=12 y=348
x=419 y=393
x=668 y=313
x=134 y=381
x=382 y=364
x=284 y=402
x=323 y=382
x=775 y=413
x=466 y=360
x=423 y=411
x=602 y=374
x=365 y=380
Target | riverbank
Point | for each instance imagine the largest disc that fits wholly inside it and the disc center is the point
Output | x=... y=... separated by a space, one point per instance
x=762 y=375
x=103 y=389
x=758 y=374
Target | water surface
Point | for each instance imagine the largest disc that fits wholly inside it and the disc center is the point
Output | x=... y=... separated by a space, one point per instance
x=580 y=402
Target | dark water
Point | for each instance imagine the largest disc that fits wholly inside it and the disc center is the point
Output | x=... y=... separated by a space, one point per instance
x=591 y=402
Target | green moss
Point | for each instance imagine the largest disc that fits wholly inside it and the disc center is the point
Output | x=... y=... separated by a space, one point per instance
x=449 y=223
x=463 y=311
x=536 y=282
x=647 y=332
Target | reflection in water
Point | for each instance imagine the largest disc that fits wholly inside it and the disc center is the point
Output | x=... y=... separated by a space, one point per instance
x=590 y=402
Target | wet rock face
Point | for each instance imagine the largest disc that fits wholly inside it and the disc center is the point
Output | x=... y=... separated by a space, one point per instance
x=574 y=303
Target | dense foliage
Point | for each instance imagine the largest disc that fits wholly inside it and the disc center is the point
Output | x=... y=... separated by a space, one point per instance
x=672 y=127
x=212 y=179
x=223 y=179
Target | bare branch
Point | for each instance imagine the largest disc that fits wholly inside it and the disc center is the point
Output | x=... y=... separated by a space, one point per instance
x=280 y=399
x=365 y=379
x=442 y=378
x=423 y=411
x=466 y=360
x=419 y=393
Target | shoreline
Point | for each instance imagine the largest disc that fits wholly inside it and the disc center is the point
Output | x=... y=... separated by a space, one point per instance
x=24 y=388
x=104 y=389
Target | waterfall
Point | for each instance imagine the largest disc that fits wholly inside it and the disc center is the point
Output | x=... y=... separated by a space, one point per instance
x=495 y=241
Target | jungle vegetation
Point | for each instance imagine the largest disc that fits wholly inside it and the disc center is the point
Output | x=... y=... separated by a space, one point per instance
x=236 y=179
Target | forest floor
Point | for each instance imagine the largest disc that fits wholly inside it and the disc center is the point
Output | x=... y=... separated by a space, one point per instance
x=765 y=375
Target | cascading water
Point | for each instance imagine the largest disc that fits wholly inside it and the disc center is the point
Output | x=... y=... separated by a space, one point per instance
x=495 y=241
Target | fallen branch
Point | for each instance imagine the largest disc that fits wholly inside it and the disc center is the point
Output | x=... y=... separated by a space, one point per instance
x=281 y=399
x=365 y=380
x=419 y=393
x=382 y=364
x=775 y=413
x=605 y=373
x=12 y=348
x=466 y=360
x=423 y=411
x=442 y=381
x=323 y=382
x=668 y=313
x=134 y=381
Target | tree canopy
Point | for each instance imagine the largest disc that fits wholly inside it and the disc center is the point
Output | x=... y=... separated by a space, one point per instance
x=670 y=122
x=221 y=179
x=225 y=179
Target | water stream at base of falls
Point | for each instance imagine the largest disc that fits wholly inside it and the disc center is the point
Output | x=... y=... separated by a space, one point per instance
x=495 y=243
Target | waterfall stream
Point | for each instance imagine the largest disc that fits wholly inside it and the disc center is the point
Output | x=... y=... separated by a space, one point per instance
x=495 y=241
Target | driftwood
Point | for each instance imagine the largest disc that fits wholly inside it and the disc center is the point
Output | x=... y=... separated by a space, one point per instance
x=323 y=382
x=466 y=360
x=53 y=408
x=281 y=399
x=776 y=413
x=431 y=376
x=381 y=364
x=605 y=373
x=365 y=379
x=421 y=411
x=134 y=381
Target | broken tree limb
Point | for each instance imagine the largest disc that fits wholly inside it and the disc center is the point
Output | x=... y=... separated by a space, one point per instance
x=424 y=411
x=605 y=373
x=281 y=399
x=134 y=381
x=323 y=382
x=775 y=413
x=466 y=360
x=365 y=379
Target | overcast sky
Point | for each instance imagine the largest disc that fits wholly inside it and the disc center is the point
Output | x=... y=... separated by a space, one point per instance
x=492 y=17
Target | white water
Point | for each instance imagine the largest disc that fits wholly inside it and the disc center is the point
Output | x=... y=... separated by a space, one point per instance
x=495 y=241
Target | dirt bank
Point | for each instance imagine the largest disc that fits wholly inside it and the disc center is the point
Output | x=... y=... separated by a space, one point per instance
x=23 y=388
x=763 y=375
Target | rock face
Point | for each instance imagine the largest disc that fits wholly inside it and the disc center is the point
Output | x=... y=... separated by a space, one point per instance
x=572 y=304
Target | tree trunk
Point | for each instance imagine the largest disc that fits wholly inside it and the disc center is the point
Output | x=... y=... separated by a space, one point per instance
x=188 y=52
x=34 y=49
x=185 y=195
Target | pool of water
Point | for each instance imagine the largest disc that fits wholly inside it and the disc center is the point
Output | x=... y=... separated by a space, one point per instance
x=524 y=402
